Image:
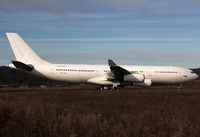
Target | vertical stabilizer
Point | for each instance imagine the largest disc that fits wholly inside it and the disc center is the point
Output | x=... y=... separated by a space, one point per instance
x=22 y=50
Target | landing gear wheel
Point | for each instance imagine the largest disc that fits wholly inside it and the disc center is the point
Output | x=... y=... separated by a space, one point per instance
x=102 y=88
x=179 y=87
x=115 y=89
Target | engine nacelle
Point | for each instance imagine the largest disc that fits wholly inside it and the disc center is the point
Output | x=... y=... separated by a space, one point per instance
x=146 y=83
x=137 y=78
x=100 y=81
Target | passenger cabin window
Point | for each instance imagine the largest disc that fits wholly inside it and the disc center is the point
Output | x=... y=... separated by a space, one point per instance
x=165 y=72
x=75 y=70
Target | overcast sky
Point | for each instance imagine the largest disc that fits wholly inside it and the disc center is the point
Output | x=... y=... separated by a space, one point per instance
x=136 y=32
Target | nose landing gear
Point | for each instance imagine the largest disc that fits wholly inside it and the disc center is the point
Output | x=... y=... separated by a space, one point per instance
x=179 y=86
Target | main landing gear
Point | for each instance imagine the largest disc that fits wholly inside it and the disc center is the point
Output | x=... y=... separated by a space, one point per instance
x=105 y=88
x=115 y=89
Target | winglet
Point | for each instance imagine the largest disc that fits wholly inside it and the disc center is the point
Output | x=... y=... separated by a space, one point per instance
x=111 y=63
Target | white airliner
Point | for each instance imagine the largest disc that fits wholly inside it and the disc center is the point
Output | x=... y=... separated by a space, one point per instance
x=111 y=75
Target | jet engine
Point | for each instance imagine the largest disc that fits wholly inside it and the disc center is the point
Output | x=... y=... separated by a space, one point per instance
x=136 y=78
x=100 y=81
x=146 y=83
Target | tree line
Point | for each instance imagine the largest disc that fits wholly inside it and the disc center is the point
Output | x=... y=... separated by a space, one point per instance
x=17 y=77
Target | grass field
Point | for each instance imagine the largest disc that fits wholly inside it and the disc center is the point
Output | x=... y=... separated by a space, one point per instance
x=84 y=112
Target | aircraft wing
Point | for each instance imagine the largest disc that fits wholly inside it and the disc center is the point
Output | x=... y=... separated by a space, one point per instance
x=197 y=71
x=118 y=71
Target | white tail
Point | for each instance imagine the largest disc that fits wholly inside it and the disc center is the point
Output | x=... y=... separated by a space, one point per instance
x=22 y=50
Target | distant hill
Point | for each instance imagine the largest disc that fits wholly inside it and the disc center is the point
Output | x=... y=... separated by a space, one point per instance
x=17 y=77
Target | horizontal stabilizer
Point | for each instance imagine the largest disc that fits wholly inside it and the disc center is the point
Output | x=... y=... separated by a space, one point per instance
x=23 y=66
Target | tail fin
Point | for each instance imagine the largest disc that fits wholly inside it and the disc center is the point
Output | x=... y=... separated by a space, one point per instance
x=22 y=50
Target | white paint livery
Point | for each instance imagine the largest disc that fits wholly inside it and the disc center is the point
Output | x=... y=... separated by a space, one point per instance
x=97 y=74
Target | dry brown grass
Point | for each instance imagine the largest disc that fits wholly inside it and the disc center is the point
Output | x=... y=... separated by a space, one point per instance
x=73 y=112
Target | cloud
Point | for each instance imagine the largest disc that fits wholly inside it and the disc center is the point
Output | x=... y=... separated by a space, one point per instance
x=52 y=6
x=164 y=6
x=91 y=7
x=99 y=39
x=131 y=57
x=193 y=2
x=138 y=6
x=75 y=6
x=121 y=57
x=120 y=39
